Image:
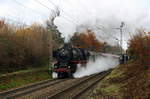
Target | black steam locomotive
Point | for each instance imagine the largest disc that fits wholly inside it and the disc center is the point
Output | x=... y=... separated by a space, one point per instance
x=67 y=58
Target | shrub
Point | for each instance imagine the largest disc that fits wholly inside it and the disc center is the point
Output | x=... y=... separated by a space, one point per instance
x=139 y=47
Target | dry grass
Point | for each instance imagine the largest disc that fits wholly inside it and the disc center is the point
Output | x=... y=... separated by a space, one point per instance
x=136 y=82
x=130 y=80
x=137 y=79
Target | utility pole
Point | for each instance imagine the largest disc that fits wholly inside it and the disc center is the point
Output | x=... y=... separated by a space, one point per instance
x=121 y=36
x=52 y=29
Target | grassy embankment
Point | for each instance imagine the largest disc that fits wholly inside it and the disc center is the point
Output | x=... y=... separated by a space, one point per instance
x=122 y=84
x=130 y=80
x=24 y=77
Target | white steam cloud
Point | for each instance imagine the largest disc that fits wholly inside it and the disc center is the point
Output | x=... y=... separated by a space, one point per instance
x=102 y=63
x=102 y=16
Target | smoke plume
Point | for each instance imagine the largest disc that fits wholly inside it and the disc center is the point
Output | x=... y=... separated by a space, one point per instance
x=102 y=63
x=103 y=16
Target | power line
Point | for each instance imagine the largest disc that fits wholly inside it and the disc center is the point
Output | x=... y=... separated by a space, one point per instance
x=62 y=11
x=17 y=22
x=19 y=3
x=34 y=10
x=71 y=19
x=44 y=6
x=52 y=3
x=53 y=11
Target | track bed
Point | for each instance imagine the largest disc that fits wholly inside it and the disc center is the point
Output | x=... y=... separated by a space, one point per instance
x=55 y=89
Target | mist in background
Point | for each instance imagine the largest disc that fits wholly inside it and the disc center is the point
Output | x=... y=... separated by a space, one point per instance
x=102 y=63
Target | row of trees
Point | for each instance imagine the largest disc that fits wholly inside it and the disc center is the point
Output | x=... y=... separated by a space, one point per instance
x=26 y=47
x=87 y=40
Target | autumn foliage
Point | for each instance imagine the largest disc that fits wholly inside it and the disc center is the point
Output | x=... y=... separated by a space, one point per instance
x=24 y=47
x=87 y=40
x=140 y=47
x=137 y=74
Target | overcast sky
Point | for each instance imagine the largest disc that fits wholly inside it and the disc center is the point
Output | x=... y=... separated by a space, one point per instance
x=77 y=15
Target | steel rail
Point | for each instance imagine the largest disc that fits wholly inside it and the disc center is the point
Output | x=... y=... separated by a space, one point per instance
x=67 y=89
x=79 y=93
x=29 y=88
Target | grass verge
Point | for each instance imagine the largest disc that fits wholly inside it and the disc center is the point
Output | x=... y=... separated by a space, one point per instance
x=21 y=78
x=108 y=88
x=128 y=81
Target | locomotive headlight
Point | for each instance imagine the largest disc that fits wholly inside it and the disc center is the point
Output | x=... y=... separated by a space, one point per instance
x=68 y=66
x=55 y=66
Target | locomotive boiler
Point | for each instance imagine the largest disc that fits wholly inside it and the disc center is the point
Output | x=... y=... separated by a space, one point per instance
x=67 y=58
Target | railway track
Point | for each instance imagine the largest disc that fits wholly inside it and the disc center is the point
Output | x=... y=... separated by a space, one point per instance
x=29 y=88
x=74 y=91
x=55 y=88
